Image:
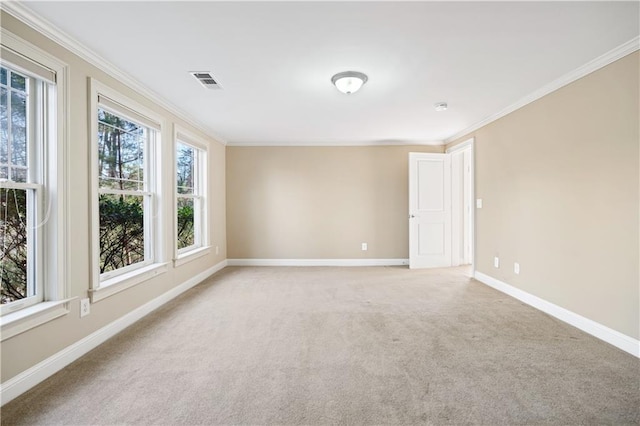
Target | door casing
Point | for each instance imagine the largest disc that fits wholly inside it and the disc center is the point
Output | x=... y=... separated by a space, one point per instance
x=463 y=186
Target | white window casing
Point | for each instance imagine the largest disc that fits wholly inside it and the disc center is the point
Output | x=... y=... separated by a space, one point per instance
x=199 y=196
x=103 y=285
x=48 y=227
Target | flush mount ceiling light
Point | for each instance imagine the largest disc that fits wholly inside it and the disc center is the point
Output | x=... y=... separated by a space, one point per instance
x=440 y=106
x=349 y=81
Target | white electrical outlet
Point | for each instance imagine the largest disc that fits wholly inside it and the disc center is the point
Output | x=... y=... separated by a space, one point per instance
x=479 y=203
x=516 y=268
x=496 y=262
x=364 y=247
x=85 y=307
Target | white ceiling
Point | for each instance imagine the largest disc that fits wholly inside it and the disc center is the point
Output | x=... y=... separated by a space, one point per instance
x=275 y=60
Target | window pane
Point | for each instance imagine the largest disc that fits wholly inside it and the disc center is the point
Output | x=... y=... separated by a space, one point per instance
x=3 y=76
x=4 y=126
x=18 y=128
x=120 y=153
x=185 y=163
x=121 y=231
x=19 y=174
x=186 y=235
x=13 y=240
x=18 y=81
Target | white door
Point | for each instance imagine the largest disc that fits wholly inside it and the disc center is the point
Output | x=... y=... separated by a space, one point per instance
x=429 y=210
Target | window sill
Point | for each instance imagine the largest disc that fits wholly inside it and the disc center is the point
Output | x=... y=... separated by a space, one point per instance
x=25 y=319
x=122 y=282
x=191 y=255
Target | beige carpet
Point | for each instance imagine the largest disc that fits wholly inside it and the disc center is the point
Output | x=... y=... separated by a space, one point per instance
x=359 y=346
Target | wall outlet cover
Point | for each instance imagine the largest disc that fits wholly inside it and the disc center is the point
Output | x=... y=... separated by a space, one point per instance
x=496 y=262
x=364 y=247
x=516 y=268
x=85 y=307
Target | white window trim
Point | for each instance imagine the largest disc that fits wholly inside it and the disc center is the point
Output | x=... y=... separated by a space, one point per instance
x=187 y=254
x=129 y=279
x=55 y=262
x=37 y=103
x=134 y=274
x=27 y=318
x=191 y=255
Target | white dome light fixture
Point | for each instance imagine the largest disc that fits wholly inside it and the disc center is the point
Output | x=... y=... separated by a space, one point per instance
x=349 y=81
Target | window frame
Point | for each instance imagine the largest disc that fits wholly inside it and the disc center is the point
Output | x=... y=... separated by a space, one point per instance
x=50 y=78
x=111 y=282
x=36 y=103
x=148 y=194
x=201 y=245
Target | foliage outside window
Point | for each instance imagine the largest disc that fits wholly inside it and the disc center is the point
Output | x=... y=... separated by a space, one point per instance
x=20 y=190
x=125 y=197
x=189 y=197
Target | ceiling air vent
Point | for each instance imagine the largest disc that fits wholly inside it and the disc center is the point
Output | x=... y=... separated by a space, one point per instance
x=206 y=79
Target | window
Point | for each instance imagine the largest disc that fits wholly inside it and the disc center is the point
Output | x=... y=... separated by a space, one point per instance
x=20 y=190
x=32 y=186
x=125 y=200
x=191 y=203
x=126 y=216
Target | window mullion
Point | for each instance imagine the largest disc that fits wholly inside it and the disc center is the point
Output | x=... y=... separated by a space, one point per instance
x=35 y=128
x=149 y=201
x=9 y=125
x=196 y=221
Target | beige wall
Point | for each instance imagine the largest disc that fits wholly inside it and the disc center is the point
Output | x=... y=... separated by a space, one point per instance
x=560 y=183
x=27 y=349
x=318 y=202
x=559 y=179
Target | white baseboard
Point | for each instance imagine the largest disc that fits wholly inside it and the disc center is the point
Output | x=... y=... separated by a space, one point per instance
x=613 y=337
x=24 y=381
x=317 y=262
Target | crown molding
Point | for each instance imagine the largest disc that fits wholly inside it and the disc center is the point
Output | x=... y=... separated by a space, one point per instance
x=30 y=18
x=594 y=65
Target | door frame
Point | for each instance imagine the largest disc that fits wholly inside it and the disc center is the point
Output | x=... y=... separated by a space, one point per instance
x=470 y=145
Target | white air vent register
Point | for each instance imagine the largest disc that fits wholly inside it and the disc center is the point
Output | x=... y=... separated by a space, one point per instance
x=206 y=79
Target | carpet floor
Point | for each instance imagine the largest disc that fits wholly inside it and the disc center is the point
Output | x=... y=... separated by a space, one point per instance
x=358 y=346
